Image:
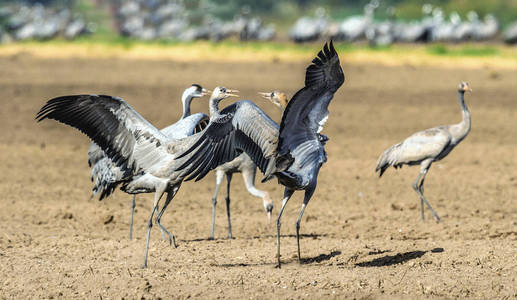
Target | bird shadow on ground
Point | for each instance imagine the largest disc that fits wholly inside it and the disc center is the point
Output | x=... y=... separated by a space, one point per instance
x=306 y=235
x=257 y=237
x=398 y=258
x=319 y=258
x=207 y=239
x=243 y=264
x=304 y=261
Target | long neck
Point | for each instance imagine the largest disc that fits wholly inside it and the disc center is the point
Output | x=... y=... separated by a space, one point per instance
x=214 y=108
x=186 y=106
x=464 y=126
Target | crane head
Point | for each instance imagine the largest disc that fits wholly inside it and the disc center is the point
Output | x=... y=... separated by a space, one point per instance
x=277 y=98
x=198 y=91
x=220 y=93
x=194 y=91
x=464 y=87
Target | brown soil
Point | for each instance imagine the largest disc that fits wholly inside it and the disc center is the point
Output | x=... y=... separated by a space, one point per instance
x=362 y=236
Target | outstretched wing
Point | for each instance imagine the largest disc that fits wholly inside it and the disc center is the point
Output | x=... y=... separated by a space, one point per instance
x=242 y=127
x=123 y=134
x=307 y=111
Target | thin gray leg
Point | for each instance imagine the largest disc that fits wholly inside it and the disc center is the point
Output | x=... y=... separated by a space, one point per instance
x=172 y=239
x=287 y=195
x=298 y=230
x=157 y=196
x=218 y=180
x=307 y=197
x=133 y=204
x=421 y=193
x=229 y=180
x=416 y=188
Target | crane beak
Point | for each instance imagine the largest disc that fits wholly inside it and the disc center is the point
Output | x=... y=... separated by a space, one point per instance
x=229 y=93
x=267 y=96
x=205 y=92
x=269 y=213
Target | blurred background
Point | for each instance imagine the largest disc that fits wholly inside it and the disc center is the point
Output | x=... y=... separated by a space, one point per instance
x=371 y=22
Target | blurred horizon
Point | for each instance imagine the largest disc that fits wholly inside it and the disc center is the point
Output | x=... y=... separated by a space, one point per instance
x=262 y=20
x=504 y=10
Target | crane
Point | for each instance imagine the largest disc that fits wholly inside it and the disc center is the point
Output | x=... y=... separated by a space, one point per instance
x=145 y=155
x=427 y=146
x=293 y=152
x=244 y=164
x=104 y=173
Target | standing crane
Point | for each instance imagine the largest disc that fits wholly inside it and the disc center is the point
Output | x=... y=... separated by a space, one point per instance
x=425 y=147
x=105 y=174
x=145 y=155
x=292 y=153
x=244 y=164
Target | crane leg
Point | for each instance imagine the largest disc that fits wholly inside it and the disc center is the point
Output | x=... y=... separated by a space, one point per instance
x=157 y=196
x=133 y=204
x=298 y=231
x=421 y=190
x=307 y=197
x=418 y=186
x=170 y=195
x=228 y=182
x=218 y=180
x=161 y=230
x=287 y=195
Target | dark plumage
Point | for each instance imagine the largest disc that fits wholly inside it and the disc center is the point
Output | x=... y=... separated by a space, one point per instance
x=225 y=138
x=130 y=143
x=293 y=153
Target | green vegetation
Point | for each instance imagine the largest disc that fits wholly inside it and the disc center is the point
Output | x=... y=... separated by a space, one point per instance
x=443 y=50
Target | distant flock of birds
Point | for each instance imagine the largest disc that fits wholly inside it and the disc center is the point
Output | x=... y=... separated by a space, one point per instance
x=149 y=20
x=154 y=19
x=433 y=27
x=129 y=152
x=23 y=22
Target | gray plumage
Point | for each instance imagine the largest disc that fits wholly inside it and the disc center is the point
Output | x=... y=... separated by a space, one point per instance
x=244 y=164
x=141 y=151
x=425 y=147
x=241 y=163
x=105 y=174
x=293 y=153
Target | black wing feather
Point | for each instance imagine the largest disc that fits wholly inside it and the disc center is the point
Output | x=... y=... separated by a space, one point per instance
x=104 y=119
x=89 y=116
x=224 y=139
x=322 y=79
